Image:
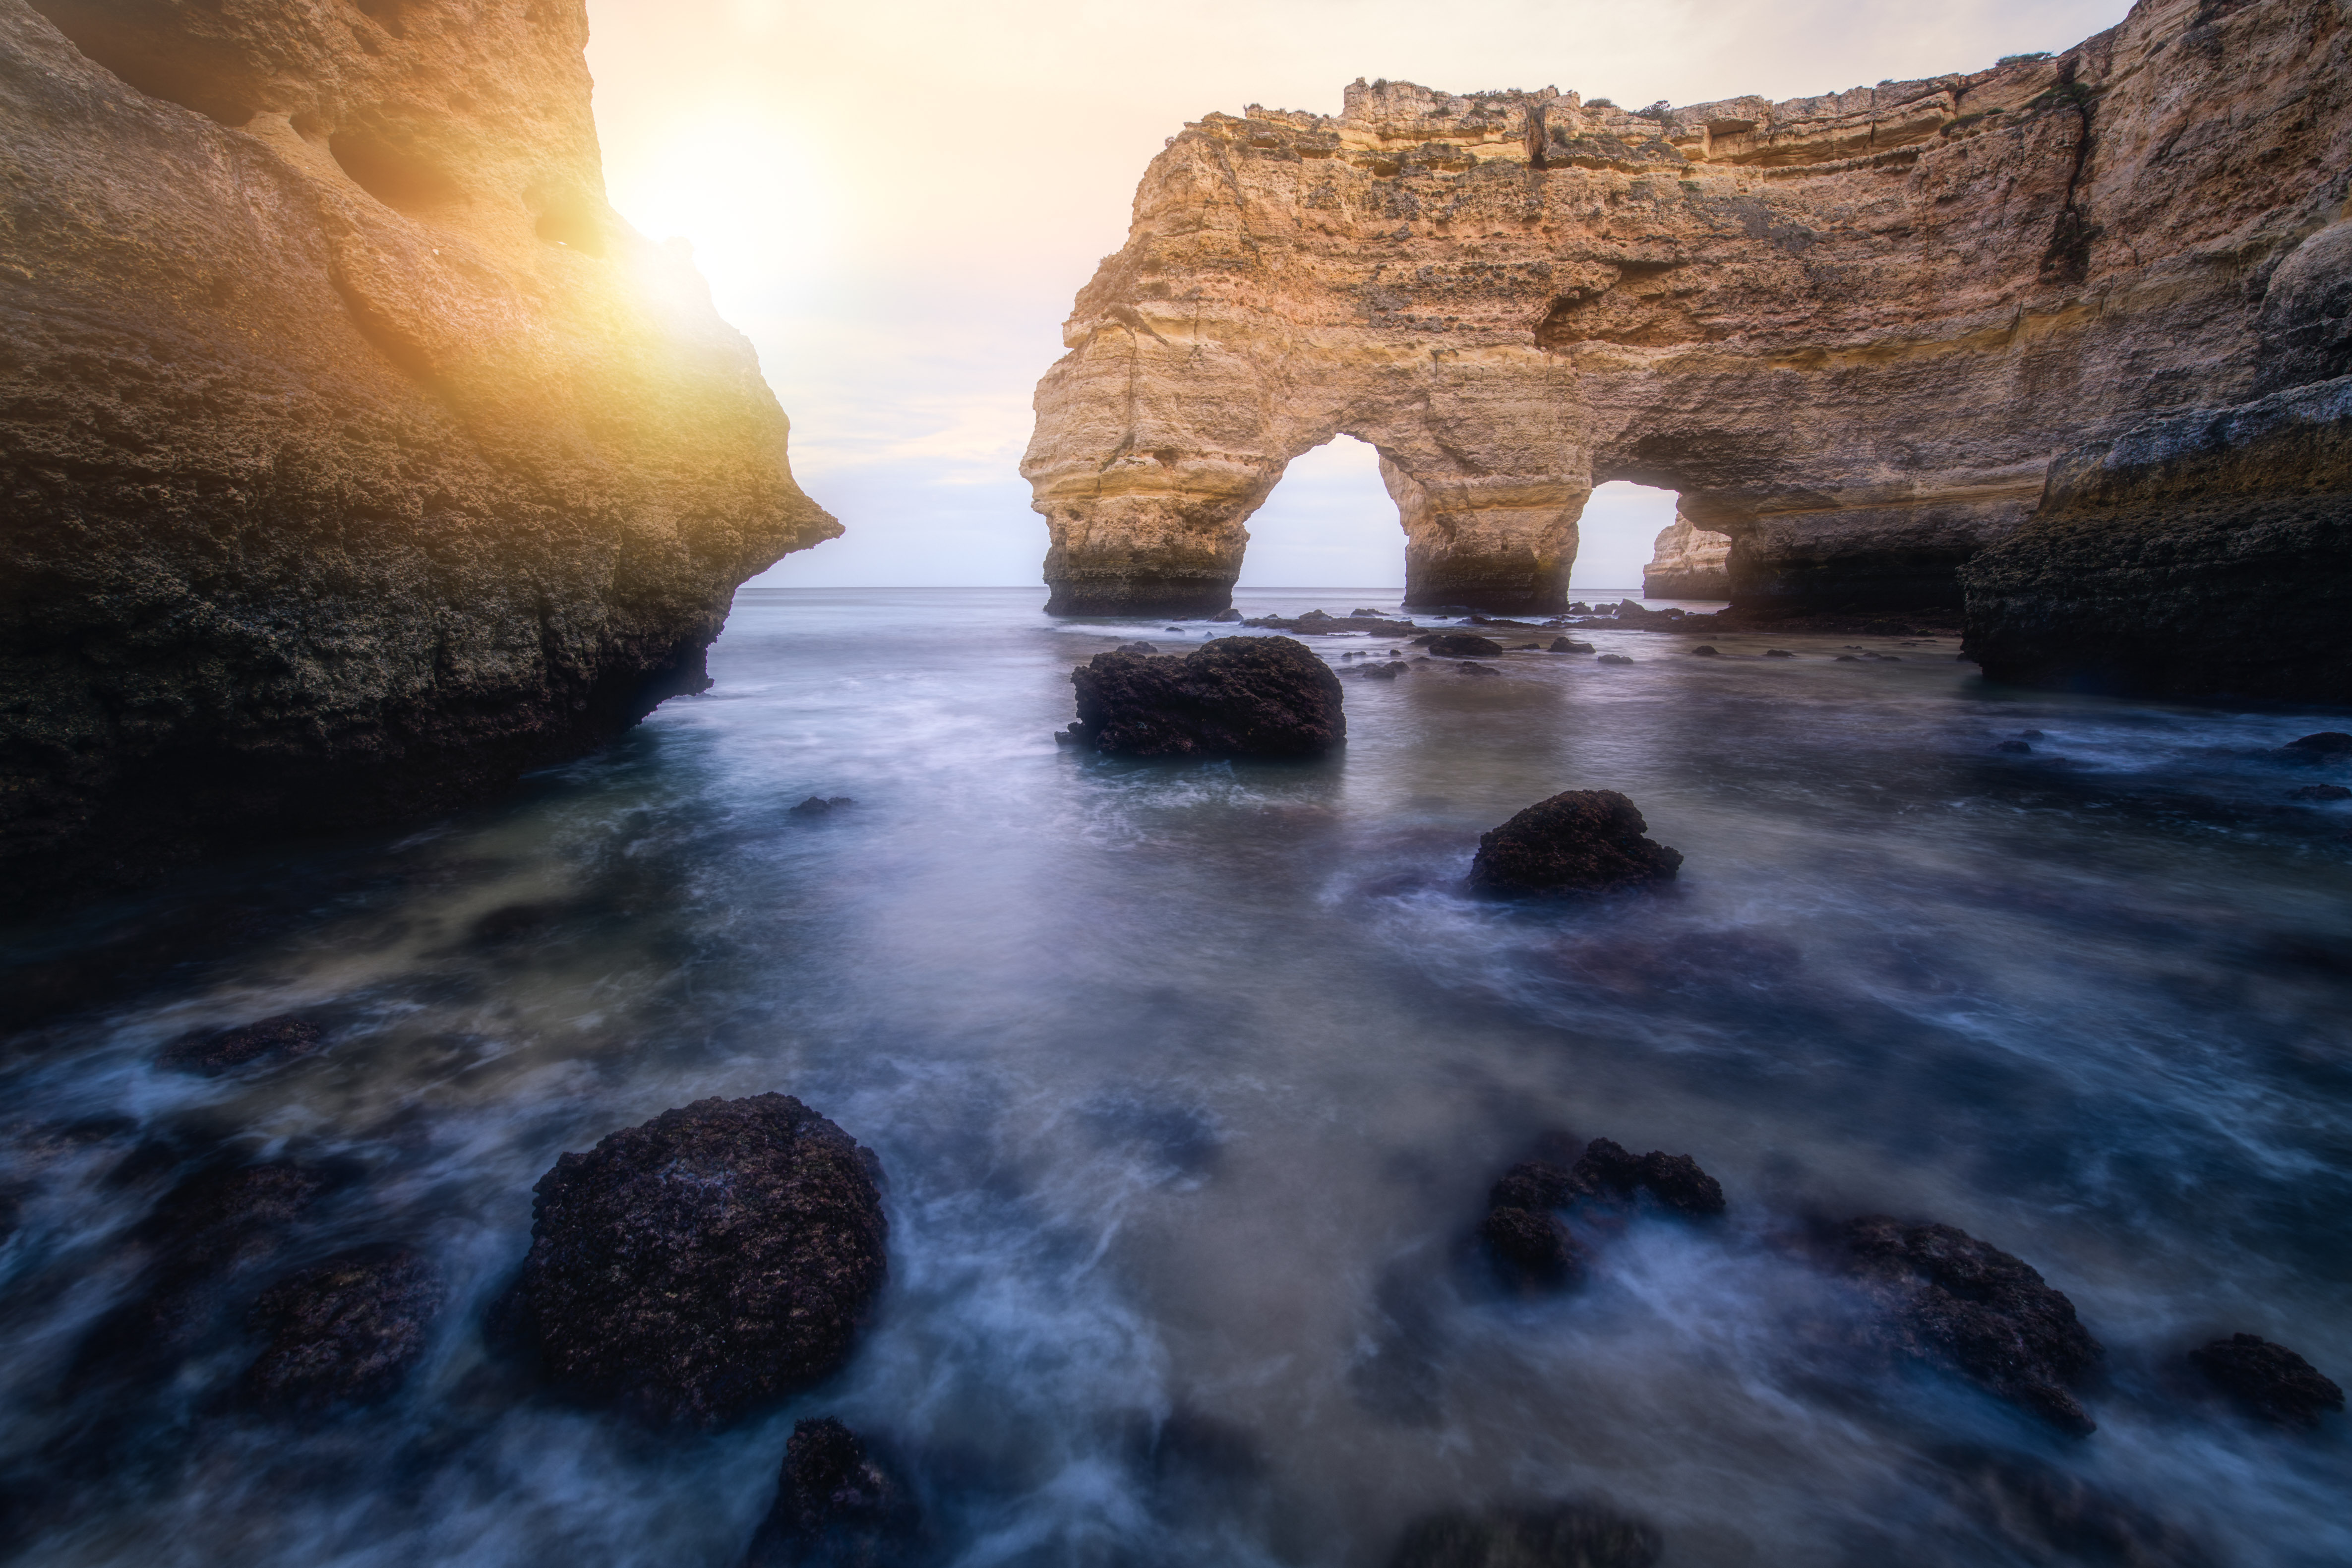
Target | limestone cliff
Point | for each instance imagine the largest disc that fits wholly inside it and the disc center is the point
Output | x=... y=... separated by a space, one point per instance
x=1851 y=332
x=357 y=457
x=1687 y=563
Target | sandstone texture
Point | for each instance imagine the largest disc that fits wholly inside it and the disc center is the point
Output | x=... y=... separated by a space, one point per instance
x=1850 y=331
x=1687 y=563
x=701 y=1267
x=2204 y=554
x=1578 y=841
x=357 y=455
x=1235 y=697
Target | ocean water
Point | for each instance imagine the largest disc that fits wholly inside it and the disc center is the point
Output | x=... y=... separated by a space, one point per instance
x=1189 y=1079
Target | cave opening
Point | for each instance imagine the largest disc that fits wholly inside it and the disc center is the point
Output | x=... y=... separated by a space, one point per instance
x=399 y=179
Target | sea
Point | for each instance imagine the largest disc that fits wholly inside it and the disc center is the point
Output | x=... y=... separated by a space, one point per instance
x=1188 y=1078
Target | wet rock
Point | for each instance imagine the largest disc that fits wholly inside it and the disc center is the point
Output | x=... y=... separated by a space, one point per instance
x=2017 y=746
x=206 y=1241
x=1527 y=647
x=2030 y=734
x=1849 y=658
x=1467 y=668
x=210 y=1051
x=1388 y=671
x=818 y=806
x=2323 y=746
x=1464 y=645
x=2320 y=792
x=1706 y=650
x=2270 y=1381
x=704 y=1265
x=1361 y=614
x=1951 y=1300
x=346 y=1332
x=1529 y=1248
x=1613 y=659
x=1777 y=653
x=1570 y=645
x=1578 y=841
x=1228 y=615
x=1137 y=648
x=835 y=1506
x=1265 y=697
x=1675 y=1181
x=1564 y=1534
x=2039 y=1516
x=1178 y=630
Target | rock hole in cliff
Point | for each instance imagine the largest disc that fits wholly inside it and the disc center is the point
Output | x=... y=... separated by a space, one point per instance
x=157 y=59
x=1617 y=536
x=1330 y=523
x=397 y=178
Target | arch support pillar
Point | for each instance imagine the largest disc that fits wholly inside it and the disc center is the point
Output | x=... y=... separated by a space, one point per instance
x=1503 y=542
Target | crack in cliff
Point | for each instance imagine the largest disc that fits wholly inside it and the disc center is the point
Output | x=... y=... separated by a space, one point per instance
x=2067 y=258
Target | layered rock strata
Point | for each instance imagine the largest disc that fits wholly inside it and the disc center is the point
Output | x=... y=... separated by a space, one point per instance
x=1850 y=331
x=357 y=457
x=1687 y=563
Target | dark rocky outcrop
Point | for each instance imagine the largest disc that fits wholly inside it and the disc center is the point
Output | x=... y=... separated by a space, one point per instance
x=347 y=1331
x=700 y=1267
x=1583 y=840
x=1522 y=1236
x=1945 y=1297
x=837 y=1505
x=2198 y=555
x=1563 y=1534
x=1570 y=645
x=1462 y=645
x=357 y=455
x=2327 y=746
x=2270 y=1381
x=2320 y=792
x=209 y=1051
x=1235 y=697
x=208 y=1242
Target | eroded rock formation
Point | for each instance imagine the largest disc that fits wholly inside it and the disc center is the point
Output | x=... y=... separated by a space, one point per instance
x=357 y=455
x=1687 y=563
x=1851 y=332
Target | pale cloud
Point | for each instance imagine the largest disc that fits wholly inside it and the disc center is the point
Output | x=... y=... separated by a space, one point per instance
x=896 y=200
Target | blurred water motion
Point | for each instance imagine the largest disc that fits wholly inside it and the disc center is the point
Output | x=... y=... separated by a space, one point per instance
x=1189 y=1080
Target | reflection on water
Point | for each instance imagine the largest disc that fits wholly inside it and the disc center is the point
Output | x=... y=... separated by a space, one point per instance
x=1190 y=1080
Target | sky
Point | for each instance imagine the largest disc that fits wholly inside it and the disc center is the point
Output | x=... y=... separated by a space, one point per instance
x=896 y=200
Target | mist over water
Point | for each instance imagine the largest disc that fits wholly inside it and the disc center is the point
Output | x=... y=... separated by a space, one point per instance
x=1190 y=1078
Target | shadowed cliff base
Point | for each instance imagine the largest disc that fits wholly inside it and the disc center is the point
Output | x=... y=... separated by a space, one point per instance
x=1851 y=332
x=358 y=457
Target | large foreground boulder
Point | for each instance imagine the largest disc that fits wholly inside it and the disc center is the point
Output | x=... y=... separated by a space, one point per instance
x=1583 y=840
x=1946 y=1298
x=1235 y=697
x=707 y=1264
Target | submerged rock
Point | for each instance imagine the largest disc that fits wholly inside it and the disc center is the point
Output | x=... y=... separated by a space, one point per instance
x=2039 y=1516
x=1563 y=1534
x=704 y=1265
x=2320 y=747
x=2271 y=1381
x=1237 y=696
x=1570 y=645
x=1529 y=1248
x=2320 y=792
x=1582 y=840
x=206 y=1242
x=1138 y=648
x=1708 y=650
x=1523 y=1238
x=1387 y=671
x=1613 y=658
x=1949 y=1298
x=1777 y=653
x=1227 y=613
x=819 y=805
x=835 y=1506
x=209 y=1051
x=345 y=1332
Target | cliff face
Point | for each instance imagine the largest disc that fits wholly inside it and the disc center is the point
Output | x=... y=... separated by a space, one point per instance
x=357 y=455
x=1687 y=563
x=1851 y=330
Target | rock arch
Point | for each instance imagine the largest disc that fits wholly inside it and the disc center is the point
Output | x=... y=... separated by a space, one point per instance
x=1850 y=331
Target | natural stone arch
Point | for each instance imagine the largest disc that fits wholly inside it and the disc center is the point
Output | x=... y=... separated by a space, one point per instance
x=1850 y=331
